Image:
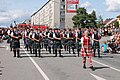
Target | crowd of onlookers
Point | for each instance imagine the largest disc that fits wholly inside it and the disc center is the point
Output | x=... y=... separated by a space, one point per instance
x=113 y=44
x=3 y=34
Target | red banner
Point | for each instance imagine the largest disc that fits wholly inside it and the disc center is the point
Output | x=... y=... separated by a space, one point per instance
x=73 y=1
x=71 y=5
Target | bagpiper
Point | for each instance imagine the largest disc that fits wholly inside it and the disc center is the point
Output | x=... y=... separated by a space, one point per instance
x=78 y=40
x=26 y=34
x=70 y=38
x=10 y=38
x=51 y=41
x=36 y=44
x=65 y=41
x=45 y=39
x=16 y=36
x=57 y=42
x=96 y=44
x=30 y=40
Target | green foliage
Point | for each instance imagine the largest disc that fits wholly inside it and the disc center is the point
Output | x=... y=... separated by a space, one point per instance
x=100 y=22
x=83 y=19
x=116 y=24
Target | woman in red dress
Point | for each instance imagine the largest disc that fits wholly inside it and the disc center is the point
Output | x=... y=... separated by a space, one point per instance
x=86 y=50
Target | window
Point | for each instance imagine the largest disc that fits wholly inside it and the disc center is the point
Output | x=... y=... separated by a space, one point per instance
x=62 y=13
x=62 y=20
x=63 y=0
x=62 y=6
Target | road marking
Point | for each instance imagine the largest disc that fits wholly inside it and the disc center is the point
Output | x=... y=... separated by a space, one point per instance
x=106 y=65
x=97 y=77
x=7 y=48
x=36 y=65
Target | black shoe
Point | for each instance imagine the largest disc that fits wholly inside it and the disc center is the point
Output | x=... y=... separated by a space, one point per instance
x=55 y=55
x=92 y=68
x=18 y=56
x=61 y=56
x=84 y=67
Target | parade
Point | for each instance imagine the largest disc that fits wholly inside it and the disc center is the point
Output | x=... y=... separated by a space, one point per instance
x=83 y=42
x=59 y=40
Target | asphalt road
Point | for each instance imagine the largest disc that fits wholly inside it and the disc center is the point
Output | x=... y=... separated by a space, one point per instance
x=55 y=68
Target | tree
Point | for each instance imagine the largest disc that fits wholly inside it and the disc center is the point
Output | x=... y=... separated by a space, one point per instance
x=116 y=24
x=83 y=19
x=94 y=14
x=100 y=22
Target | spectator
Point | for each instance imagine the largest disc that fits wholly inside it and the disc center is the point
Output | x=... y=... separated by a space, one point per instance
x=104 y=48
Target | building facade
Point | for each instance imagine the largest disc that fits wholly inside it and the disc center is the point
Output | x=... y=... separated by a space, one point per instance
x=56 y=14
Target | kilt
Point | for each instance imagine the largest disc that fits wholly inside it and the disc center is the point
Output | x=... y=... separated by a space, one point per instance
x=30 y=43
x=50 y=43
x=87 y=51
x=96 y=45
x=8 y=40
x=26 y=41
x=57 y=45
x=71 y=43
x=36 y=45
x=77 y=45
x=15 y=44
x=46 y=40
x=11 y=42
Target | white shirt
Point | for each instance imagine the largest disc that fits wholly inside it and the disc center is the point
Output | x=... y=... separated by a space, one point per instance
x=54 y=35
x=68 y=35
x=82 y=39
x=8 y=32
x=25 y=33
x=33 y=35
x=12 y=34
x=48 y=34
x=30 y=34
x=76 y=34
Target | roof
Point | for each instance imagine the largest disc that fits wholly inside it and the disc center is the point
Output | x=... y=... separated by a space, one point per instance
x=118 y=16
x=40 y=8
x=111 y=22
x=106 y=21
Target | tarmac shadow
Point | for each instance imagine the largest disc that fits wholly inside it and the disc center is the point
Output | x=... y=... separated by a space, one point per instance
x=107 y=56
x=70 y=56
x=97 y=68
x=1 y=71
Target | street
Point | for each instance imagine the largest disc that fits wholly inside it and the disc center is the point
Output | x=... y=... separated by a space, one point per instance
x=49 y=67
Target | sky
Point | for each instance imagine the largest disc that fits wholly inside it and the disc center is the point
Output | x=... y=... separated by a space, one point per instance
x=19 y=10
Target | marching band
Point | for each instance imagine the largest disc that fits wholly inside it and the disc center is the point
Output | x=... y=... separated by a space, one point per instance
x=55 y=40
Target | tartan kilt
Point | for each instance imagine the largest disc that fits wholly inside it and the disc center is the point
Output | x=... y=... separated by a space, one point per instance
x=77 y=45
x=50 y=43
x=26 y=41
x=87 y=51
x=15 y=44
x=96 y=45
x=70 y=43
x=36 y=45
x=8 y=40
x=57 y=45
x=30 y=42
x=46 y=40
x=11 y=43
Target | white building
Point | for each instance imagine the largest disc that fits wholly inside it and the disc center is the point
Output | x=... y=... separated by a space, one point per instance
x=55 y=13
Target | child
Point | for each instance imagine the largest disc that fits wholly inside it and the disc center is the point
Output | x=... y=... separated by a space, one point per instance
x=104 y=48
